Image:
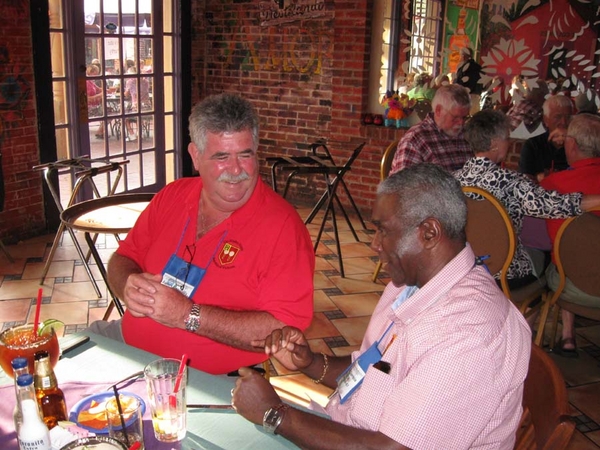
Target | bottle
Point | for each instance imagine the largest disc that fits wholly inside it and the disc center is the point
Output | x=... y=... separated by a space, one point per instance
x=33 y=434
x=50 y=398
x=19 y=366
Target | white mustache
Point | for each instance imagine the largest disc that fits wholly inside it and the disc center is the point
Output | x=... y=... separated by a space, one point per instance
x=228 y=178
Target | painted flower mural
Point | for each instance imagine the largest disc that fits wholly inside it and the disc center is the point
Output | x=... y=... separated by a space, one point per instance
x=505 y=60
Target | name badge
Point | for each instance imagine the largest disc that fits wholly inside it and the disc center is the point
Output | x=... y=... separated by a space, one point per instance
x=353 y=376
x=182 y=275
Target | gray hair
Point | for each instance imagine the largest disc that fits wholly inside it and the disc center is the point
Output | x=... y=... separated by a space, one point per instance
x=427 y=190
x=557 y=101
x=222 y=113
x=483 y=127
x=451 y=95
x=585 y=129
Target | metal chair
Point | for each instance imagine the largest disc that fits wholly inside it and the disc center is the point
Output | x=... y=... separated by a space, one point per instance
x=491 y=234
x=84 y=172
x=545 y=423
x=384 y=171
x=576 y=252
x=321 y=164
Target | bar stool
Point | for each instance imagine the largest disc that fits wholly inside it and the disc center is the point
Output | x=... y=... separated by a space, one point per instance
x=84 y=172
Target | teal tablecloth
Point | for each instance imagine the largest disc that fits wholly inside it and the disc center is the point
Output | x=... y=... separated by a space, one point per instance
x=104 y=361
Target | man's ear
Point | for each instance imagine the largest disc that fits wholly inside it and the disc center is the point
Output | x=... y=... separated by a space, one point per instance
x=430 y=232
x=194 y=154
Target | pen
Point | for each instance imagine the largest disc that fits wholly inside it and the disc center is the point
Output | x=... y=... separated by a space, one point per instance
x=389 y=344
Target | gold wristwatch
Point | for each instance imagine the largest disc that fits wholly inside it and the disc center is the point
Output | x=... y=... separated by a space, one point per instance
x=273 y=418
x=192 y=322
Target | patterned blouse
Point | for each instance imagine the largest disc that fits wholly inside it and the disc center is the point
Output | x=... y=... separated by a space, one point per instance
x=521 y=197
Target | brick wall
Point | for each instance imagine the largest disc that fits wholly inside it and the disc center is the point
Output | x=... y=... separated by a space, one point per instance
x=307 y=77
x=23 y=214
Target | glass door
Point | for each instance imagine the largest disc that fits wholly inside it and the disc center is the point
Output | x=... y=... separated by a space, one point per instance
x=114 y=81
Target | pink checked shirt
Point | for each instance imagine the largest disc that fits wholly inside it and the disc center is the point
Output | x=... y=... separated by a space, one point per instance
x=458 y=363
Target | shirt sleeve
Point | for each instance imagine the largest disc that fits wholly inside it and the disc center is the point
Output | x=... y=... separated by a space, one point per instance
x=407 y=153
x=538 y=202
x=287 y=289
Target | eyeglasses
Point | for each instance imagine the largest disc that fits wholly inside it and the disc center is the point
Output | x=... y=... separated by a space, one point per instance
x=182 y=274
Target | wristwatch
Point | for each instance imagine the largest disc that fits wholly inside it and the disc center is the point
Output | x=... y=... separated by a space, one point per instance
x=192 y=322
x=273 y=418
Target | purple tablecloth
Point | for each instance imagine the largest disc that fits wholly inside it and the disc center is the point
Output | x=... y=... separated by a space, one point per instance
x=74 y=392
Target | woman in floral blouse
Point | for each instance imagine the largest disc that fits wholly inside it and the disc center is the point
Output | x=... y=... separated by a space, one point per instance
x=487 y=132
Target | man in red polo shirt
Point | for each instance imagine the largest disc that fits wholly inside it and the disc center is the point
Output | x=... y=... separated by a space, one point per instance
x=582 y=148
x=214 y=261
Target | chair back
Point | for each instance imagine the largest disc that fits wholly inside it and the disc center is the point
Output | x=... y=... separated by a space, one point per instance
x=387 y=159
x=577 y=252
x=490 y=232
x=546 y=423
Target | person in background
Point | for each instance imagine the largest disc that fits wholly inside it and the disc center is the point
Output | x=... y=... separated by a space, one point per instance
x=487 y=132
x=438 y=138
x=94 y=97
x=529 y=110
x=440 y=336
x=586 y=102
x=545 y=153
x=468 y=75
x=582 y=150
x=217 y=261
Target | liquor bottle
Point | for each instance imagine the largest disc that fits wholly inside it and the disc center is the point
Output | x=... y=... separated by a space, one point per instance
x=33 y=434
x=19 y=366
x=50 y=398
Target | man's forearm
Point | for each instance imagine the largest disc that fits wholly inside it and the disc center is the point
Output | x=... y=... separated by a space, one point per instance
x=119 y=269
x=299 y=427
x=236 y=328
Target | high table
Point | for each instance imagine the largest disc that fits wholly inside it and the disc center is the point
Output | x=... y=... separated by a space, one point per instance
x=115 y=214
x=101 y=362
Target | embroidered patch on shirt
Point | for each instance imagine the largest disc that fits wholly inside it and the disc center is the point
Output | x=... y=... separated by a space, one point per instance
x=228 y=254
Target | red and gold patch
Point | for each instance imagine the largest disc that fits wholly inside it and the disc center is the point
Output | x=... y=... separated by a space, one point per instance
x=228 y=253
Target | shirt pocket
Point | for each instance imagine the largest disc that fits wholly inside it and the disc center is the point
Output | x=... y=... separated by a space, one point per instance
x=369 y=400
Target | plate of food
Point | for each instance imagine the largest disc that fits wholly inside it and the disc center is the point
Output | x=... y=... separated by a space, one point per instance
x=89 y=413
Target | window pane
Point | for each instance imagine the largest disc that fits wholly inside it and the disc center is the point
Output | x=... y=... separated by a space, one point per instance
x=169 y=131
x=168 y=54
x=149 y=164
x=167 y=16
x=60 y=102
x=62 y=143
x=168 y=80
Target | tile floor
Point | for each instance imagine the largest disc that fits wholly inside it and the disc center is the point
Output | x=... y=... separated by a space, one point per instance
x=342 y=310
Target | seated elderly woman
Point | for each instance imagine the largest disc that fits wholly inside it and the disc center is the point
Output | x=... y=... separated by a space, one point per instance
x=487 y=133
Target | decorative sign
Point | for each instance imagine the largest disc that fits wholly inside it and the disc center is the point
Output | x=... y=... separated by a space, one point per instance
x=275 y=12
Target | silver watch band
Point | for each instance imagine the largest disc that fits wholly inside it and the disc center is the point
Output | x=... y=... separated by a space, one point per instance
x=192 y=322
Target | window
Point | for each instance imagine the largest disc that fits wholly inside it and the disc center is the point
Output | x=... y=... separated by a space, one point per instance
x=406 y=39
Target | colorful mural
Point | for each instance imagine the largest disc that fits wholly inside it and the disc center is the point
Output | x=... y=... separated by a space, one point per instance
x=553 y=40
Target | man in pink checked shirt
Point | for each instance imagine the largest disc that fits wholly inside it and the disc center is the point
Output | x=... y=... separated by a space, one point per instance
x=445 y=354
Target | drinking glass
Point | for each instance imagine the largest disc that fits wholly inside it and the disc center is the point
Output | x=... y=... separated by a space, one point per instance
x=125 y=426
x=21 y=341
x=167 y=405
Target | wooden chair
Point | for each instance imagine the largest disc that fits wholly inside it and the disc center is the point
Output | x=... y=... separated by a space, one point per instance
x=491 y=234
x=386 y=165
x=576 y=252
x=545 y=423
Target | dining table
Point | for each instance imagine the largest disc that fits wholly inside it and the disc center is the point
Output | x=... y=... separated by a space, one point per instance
x=96 y=365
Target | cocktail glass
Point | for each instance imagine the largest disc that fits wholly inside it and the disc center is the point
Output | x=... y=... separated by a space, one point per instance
x=22 y=341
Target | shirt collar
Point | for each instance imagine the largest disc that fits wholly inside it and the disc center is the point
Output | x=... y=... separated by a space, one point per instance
x=439 y=285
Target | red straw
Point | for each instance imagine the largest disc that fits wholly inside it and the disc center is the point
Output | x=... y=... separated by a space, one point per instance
x=184 y=359
x=37 y=311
